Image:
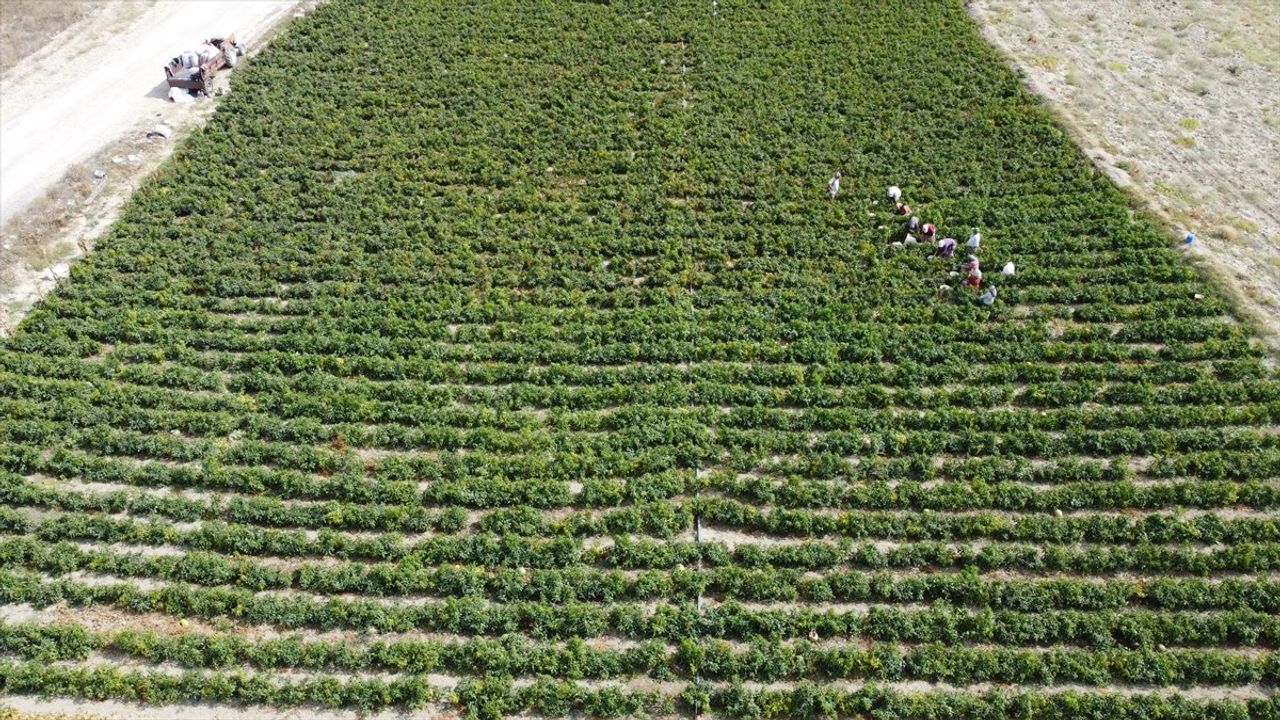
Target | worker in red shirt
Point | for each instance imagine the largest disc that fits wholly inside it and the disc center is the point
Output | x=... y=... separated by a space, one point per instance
x=975 y=278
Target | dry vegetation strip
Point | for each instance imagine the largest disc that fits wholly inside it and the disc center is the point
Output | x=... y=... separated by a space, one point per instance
x=27 y=25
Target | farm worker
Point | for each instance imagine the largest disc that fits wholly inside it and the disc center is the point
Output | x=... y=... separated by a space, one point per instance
x=902 y=209
x=895 y=194
x=946 y=247
x=913 y=225
x=1007 y=270
x=929 y=230
x=975 y=278
x=974 y=241
x=988 y=298
x=971 y=264
x=833 y=186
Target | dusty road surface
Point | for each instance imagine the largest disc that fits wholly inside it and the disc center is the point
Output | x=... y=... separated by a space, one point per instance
x=1178 y=101
x=84 y=102
x=95 y=82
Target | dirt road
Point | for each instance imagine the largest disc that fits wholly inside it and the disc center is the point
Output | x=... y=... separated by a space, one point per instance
x=100 y=79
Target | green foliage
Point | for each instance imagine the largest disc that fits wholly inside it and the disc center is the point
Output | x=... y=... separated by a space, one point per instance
x=521 y=345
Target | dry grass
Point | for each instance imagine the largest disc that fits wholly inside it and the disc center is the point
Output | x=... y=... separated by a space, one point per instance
x=1164 y=120
x=28 y=233
x=26 y=25
x=7 y=713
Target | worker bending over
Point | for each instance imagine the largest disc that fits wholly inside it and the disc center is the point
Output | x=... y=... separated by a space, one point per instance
x=975 y=240
x=975 y=278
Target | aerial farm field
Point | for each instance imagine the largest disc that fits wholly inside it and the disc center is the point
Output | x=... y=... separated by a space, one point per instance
x=484 y=361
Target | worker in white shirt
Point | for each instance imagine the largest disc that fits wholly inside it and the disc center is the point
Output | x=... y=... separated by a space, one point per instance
x=833 y=186
x=975 y=240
